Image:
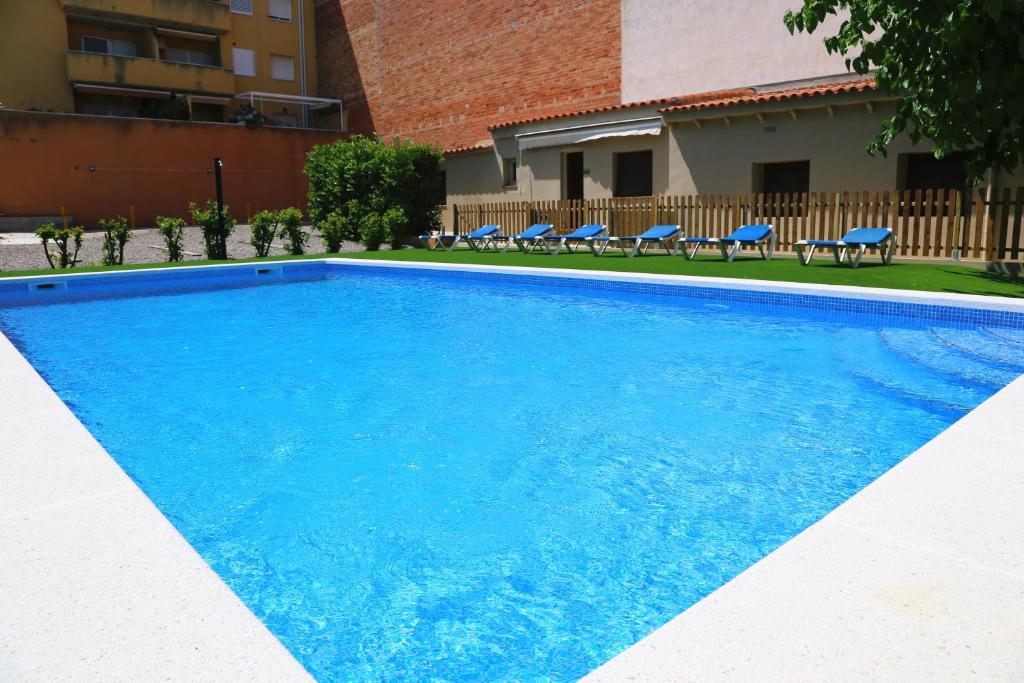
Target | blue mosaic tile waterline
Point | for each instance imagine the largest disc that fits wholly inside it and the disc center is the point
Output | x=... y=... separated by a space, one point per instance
x=416 y=474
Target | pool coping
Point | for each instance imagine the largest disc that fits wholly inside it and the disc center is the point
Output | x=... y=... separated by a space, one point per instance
x=84 y=532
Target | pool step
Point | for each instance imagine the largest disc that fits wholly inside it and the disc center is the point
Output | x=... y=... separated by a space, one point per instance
x=984 y=345
x=879 y=365
x=921 y=347
x=1007 y=335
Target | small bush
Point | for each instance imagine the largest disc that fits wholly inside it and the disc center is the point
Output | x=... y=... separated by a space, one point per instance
x=173 y=232
x=379 y=228
x=333 y=231
x=265 y=225
x=295 y=238
x=67 y=240
x=115 y=235
x=206 y=219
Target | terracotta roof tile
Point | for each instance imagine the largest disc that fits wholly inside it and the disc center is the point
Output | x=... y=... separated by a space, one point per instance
x=479 y=147
x=674 y=101
x=838 y=88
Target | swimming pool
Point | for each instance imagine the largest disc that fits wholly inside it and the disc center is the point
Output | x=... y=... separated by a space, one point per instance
x=411 y=473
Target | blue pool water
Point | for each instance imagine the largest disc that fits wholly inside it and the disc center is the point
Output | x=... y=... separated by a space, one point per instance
x=410 y=477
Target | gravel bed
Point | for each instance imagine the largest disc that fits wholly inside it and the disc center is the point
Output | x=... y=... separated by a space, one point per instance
x=145 y=247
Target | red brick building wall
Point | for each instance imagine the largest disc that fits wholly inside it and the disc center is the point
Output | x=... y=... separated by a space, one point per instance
x=444 y=70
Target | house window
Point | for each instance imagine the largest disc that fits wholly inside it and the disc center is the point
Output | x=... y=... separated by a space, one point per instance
x=634 y=174
x=245 y=62
x=280 y=9
x=282 y=68
x=106 y=46
x=790 y=177
x=509 y=172
x=187 y=56
x=925 y=172
x=241 y=6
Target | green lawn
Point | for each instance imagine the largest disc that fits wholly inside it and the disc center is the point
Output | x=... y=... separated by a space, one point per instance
x=935 y=277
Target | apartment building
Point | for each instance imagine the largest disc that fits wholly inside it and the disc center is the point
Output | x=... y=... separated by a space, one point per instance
x=201 y=60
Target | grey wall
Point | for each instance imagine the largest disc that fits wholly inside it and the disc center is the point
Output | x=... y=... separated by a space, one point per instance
x=677 y=47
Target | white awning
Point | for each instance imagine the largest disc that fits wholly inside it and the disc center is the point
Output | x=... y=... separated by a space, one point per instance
x=575 y=136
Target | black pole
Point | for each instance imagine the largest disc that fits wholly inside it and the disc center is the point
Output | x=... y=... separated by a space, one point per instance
x=222 y=243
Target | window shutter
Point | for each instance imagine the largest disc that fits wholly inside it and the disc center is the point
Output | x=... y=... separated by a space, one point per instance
x=245 y=62
x=282 y=68
x=281 y=9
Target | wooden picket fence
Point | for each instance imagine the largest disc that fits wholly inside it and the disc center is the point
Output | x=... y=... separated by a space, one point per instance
x=929 y=223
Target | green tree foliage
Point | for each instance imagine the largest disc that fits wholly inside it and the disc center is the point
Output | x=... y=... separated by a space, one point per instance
x=66 y=240
x=372 y=191
x=206 y=219
x=957 y=66
x=173 y=232
x=116 y=234
x=295 y=238
x=264 y=226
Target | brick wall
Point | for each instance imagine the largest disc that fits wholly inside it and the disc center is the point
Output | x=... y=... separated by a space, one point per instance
x=444 y=70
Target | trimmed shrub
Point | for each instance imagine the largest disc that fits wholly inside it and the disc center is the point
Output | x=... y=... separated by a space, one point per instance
x=264 y=229
x=67 y=240
x=216 y=244
x=333 y=231
x=363 y=179
x=115 y=235
x=295 y=238
x=173 y=232
x=380 y=228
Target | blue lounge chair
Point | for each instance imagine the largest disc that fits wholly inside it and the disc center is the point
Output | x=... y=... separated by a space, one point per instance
x=662 y=236
x=553 y=244
x=748 y=235
x=478 y=240
x=527 y=240
x=857 y=240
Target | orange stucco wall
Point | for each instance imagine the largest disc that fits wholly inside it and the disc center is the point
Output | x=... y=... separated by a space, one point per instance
x=47 y=162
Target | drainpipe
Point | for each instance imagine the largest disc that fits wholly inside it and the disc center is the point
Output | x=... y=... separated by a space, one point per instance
x=302 y=60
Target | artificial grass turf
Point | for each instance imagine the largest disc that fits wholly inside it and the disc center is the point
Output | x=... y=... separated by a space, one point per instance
x=923 y=276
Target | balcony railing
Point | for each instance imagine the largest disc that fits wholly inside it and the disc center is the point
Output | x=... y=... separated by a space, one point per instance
x=210 y=15
x=141 y=72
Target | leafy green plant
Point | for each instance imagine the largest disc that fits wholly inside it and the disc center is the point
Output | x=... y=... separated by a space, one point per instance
x=956 y=66
x=116 y=234
x=333 y=231
x=173 y=232
x=295 y=238
x=206 y=219
x=362 y=179
x=379 y=228
x=66 y=240
x=264 y=226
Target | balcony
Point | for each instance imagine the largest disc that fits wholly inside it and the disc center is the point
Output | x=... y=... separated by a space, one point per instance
x=209 y=15
x=138 y=72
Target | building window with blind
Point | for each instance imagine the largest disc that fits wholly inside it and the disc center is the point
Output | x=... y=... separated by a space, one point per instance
x=241 y=6
x=280 y=9
x=282 y=68
x=108 y=46
x=245 y=62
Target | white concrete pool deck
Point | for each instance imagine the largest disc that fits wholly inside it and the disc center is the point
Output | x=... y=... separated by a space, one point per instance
x=920 y=576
